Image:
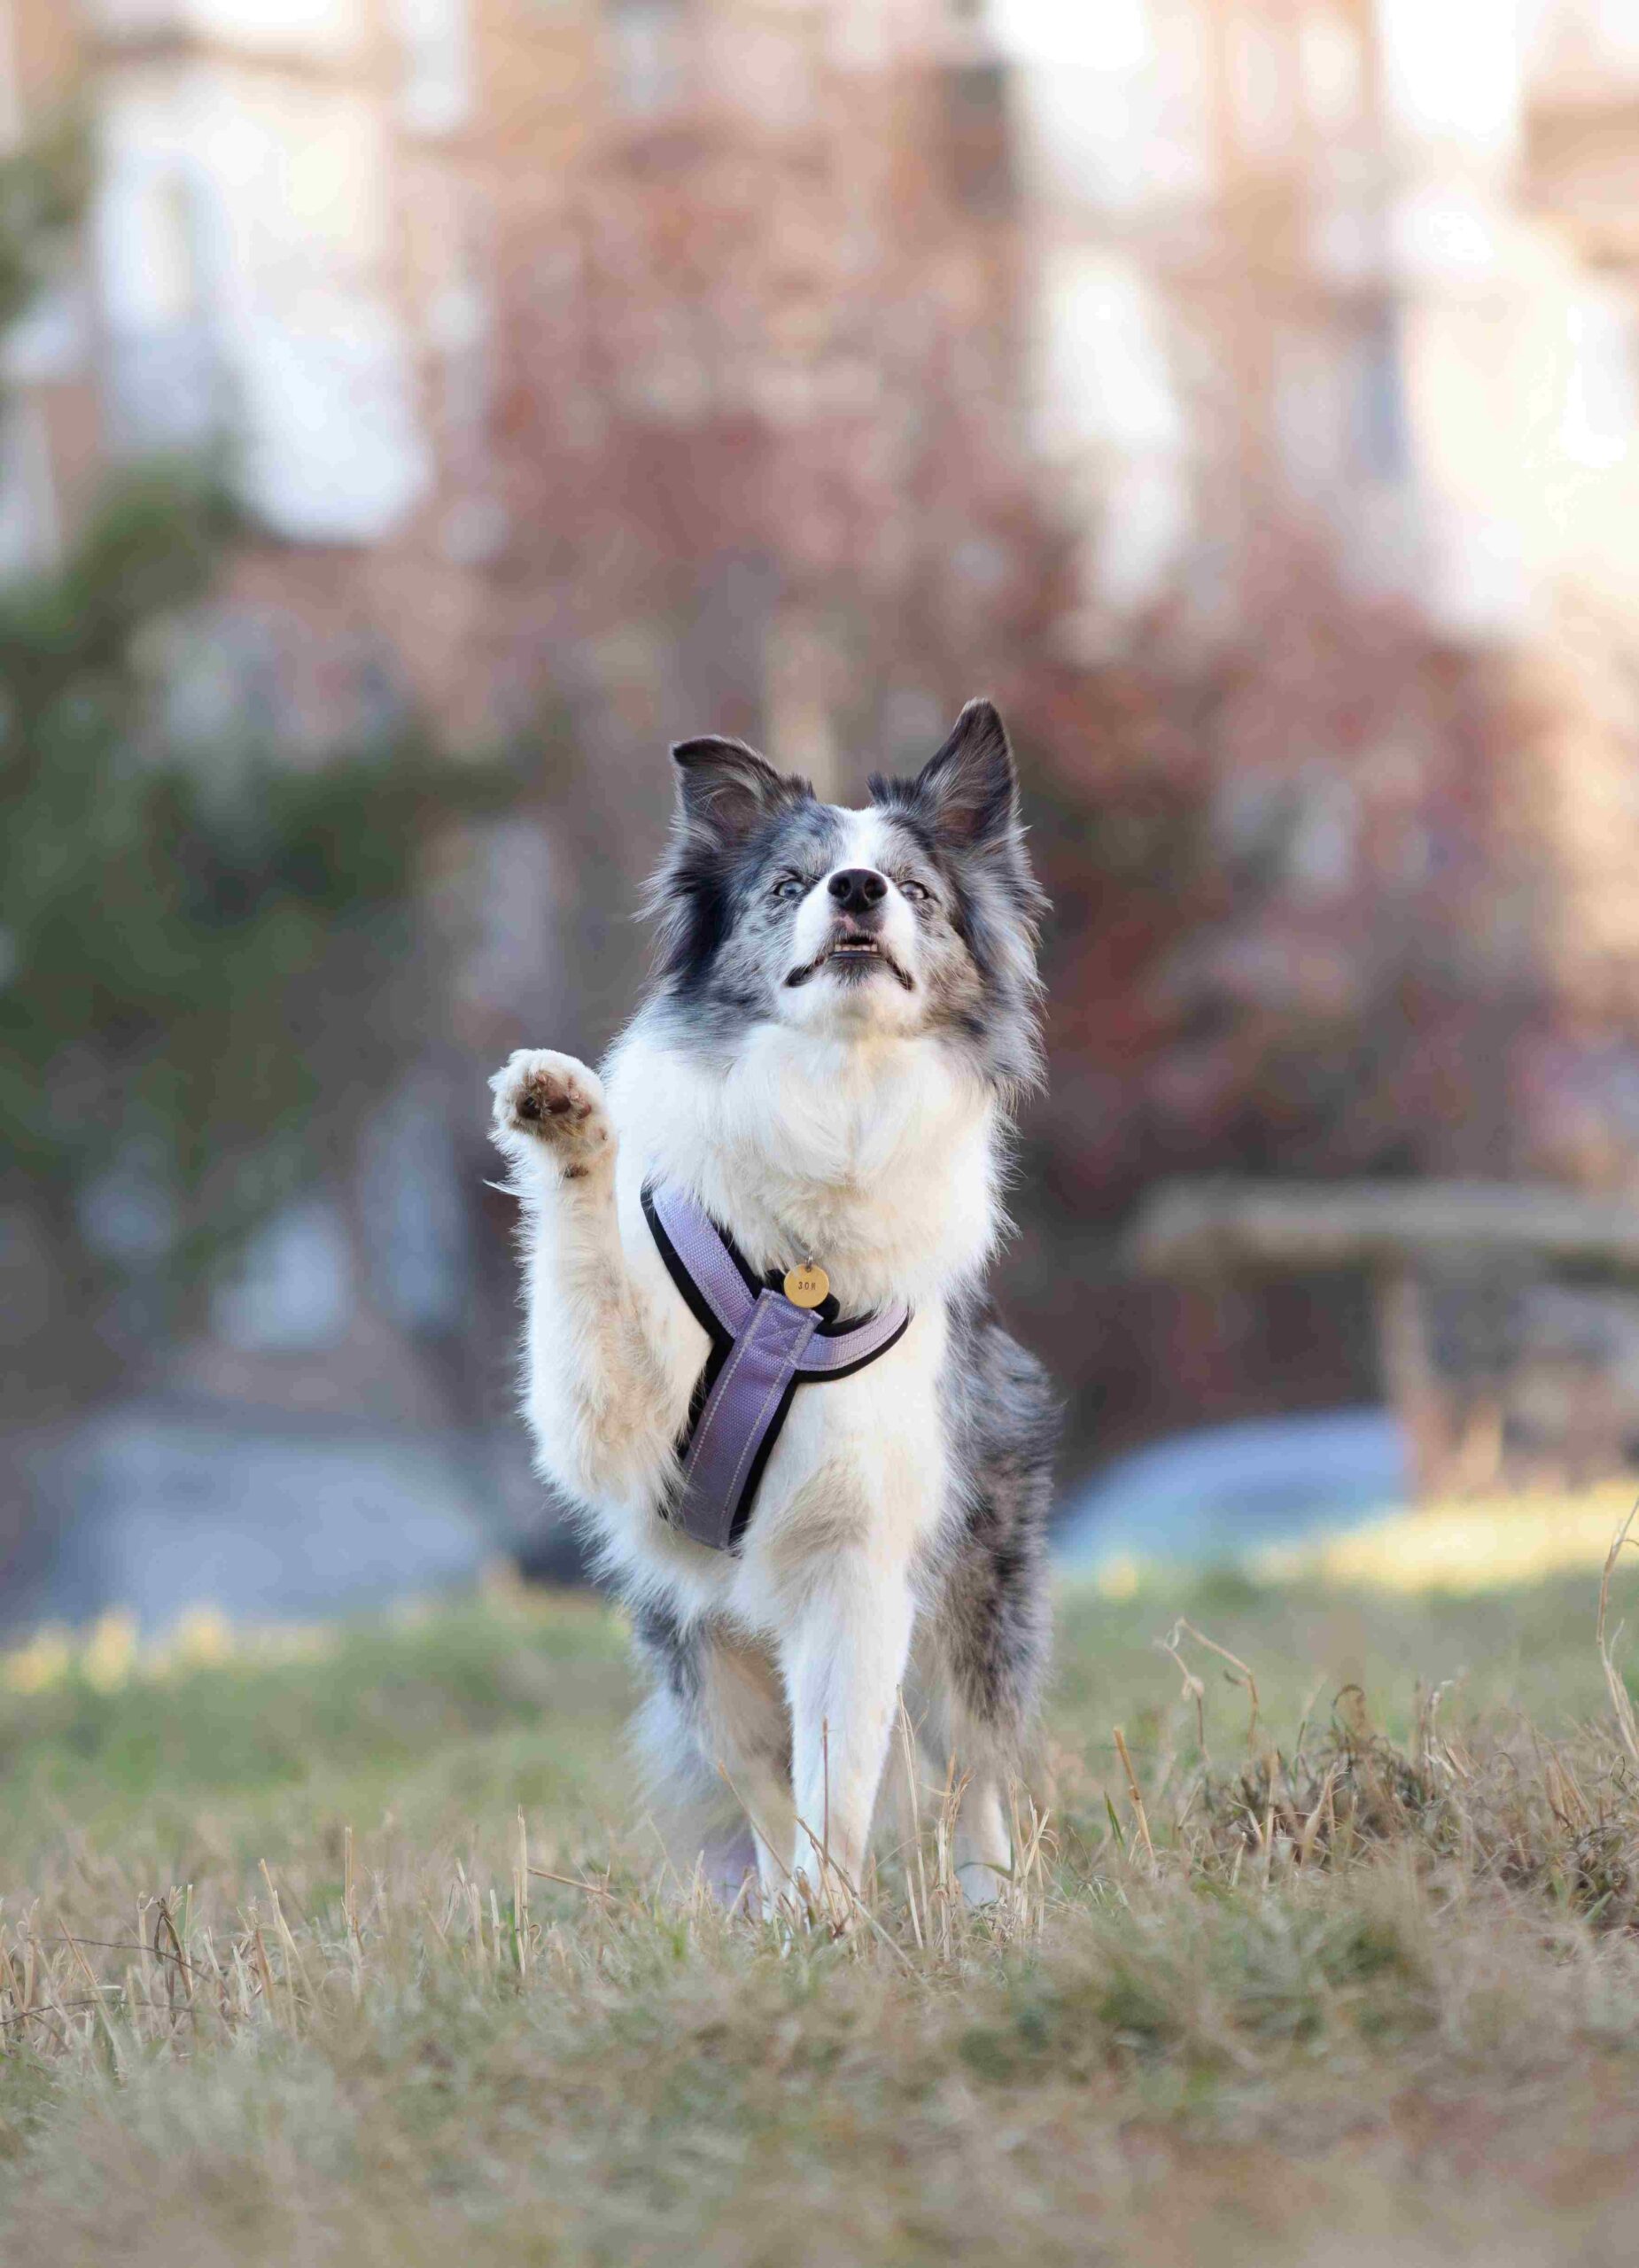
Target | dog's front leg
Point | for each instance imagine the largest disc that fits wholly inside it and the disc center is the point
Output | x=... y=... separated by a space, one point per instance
x=844 y=1659
x=594 y=1390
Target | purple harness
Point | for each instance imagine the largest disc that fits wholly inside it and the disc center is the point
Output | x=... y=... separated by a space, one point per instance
x=762 y=1347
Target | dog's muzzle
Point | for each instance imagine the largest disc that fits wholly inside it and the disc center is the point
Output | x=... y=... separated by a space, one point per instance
x=854 y=947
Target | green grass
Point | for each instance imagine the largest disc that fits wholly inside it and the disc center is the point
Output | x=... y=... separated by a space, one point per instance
x=1372 y=1990
x=417 y=1716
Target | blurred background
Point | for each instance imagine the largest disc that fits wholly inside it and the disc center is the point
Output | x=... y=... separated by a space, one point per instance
x=416 y=413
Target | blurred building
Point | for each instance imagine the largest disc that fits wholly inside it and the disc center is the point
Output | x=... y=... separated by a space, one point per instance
x=1364 y=262
x=280 y=254
x=450 y=270
x=795 y=366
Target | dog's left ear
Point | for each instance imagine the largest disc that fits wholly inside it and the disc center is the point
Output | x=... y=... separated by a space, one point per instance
x=970 y=789
x=726 y=790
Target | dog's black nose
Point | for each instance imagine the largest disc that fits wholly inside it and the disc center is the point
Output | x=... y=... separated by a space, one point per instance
x=858 y=889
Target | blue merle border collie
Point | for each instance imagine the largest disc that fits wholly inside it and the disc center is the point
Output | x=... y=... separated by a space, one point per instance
x=843 y=1016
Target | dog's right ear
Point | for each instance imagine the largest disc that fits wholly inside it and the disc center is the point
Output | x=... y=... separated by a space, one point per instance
x=971 y=786
x=726 y=790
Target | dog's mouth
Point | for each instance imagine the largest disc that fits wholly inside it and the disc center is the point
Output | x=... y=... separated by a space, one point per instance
x=852 y=957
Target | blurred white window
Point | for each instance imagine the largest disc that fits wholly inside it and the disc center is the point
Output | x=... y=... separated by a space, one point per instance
x=161 y=285
x=10 y=108
x=128 y=1211
x=1141 y=542
x=1083 y=93
x=1103 y=370
x=435 y=91
x=162 y=377
x=292 y=1290
x=1582 y=50
x=49 y=342
x=648 y=40
x=1382 y=442
x=1311 y=408
x=1261 y=74
x=1602 y=396
x=411 y=1199
x=244 y=259
x=332 y=451
x=1451 y=70
x=504 y=905
x=1114 y=36
x=319 y=29
x=1332 y=67
x=1321 y=849
x=28 y=523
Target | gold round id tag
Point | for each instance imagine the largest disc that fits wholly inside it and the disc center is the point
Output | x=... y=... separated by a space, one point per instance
x=806 y=1286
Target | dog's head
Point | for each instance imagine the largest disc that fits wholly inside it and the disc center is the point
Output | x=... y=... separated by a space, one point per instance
x=916 y=915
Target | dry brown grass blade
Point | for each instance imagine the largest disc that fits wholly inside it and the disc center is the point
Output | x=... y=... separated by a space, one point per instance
x=1243 y=1677
x=573 y=1882
x=856 y=1903
x=168 y=1948
x=1133 y=1797
x=264 y=1971
x=294 y=1966
x=98 y=1999
x=907 y=1749
x=520 y=1899
x=760 y=1841
x=1311 y=1825
x=1616 y=1685
x=349 y=1887
x=824 y=1795
x=1194 y=1690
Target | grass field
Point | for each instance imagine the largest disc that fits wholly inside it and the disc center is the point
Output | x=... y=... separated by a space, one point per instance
x=353 y=1950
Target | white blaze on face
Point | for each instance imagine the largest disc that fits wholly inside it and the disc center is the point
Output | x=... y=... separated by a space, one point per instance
x=866 y=840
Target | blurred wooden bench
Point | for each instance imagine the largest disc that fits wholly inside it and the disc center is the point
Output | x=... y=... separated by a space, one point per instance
x=1396 y=1232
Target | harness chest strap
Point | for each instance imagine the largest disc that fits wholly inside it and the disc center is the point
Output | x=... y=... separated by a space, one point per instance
x=762 y=1347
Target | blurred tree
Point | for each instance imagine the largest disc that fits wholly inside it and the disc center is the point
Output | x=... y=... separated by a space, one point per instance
x=44 y=183
x=208 y=965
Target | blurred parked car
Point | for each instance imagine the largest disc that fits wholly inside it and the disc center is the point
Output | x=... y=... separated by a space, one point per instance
x=156 y=1506
x=1210 y=1495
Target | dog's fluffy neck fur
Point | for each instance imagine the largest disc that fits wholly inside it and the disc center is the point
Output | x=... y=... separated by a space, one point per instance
x=878 y=1155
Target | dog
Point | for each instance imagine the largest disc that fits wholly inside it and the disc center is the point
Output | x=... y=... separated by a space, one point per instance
x=820 y=1084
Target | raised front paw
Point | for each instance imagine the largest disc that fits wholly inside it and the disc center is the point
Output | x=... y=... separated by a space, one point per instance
x=549 y=1104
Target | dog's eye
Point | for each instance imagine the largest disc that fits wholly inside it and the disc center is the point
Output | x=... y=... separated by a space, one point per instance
x=788 y=886
x=915 y=891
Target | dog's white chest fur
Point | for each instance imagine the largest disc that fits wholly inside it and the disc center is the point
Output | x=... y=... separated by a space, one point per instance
x=879 y=1165
x=875 y=1160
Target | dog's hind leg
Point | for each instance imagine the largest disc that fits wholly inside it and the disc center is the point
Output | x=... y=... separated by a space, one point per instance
x=715 y=1732
x=984 y=1656
x=981 y=1667
x=982 y=1770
